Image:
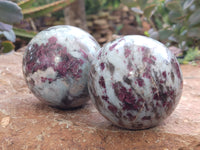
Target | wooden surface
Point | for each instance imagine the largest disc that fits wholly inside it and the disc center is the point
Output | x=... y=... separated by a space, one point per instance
x=26 y=123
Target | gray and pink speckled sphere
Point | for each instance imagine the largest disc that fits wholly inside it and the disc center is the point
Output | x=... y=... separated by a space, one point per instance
x=56 y=65
x=135 y=82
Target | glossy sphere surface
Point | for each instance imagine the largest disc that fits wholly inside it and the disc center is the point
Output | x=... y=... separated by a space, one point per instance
x=56 y=65
x=135 y=82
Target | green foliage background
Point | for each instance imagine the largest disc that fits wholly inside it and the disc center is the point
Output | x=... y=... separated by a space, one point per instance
x=173 y=22
x=93 y=7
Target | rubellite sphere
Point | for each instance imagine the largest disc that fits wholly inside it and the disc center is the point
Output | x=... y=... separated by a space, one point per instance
x=56 y=65
x=135 y=82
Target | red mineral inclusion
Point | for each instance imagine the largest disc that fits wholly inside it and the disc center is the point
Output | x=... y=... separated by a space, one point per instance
x=102 y=65
x=176 y=66
x=68 y=66
x=127 y=52
x=102 y=82
x=128 y=99
x=113 y=46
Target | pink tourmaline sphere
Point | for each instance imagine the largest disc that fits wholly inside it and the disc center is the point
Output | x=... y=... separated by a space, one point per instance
x=56 y=65
x=135 y=82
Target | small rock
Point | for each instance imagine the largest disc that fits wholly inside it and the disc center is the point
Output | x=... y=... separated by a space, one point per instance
x=125 y=15
x=89 y=24
x=114 y=18
x=97 y=35
x=131 y=18
x=104 y=31
x=175 y=50
x=100 y=22
x=102 y=40
x=146 y=26
x=126 y=21
x=92 y=17
x=115 y=36
x=5 y=121
x=125 y=9
x=104 y=15
x=102 y=27
x=130 y=30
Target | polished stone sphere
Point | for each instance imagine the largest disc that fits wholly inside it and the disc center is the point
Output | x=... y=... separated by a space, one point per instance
x=135 y=82
x=56 y=65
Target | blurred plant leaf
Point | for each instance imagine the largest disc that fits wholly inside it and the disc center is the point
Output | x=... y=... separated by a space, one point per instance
x=173 y=38
x=4 y=26
x=194 y=19
x=153 y=34
x=7 y=46
x=130 y=3
x=113 y=3
x=187 y=4
x=173 y=5
x=10 y=12
x=174 y=16
x=165 y=34
x=142 y=3
x=24 y=33
x=167 y=1
x=146 y=33
x=194 y=33
x=42 y=10
x=175 y=22
x=137 y=10
x=149 y=10
x=25 y=4
x=10 y=35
